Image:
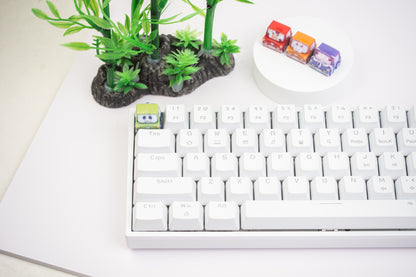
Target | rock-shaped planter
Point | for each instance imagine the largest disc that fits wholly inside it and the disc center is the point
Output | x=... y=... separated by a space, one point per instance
x=157 y=83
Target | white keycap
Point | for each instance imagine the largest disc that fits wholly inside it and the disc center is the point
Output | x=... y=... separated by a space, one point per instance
x=352 y=188
x=285 y=118
x=393 y=116
x=411 y=117
x=154 y=141
x=296 y=188
x=328 y=215
x=411 y=164
x=176 y=118
x=239 y=189
x=312 y=117
x=336 y=164
x=406 y=140
x=327 y=140
x=203 y=118
x=406 y=187
x=366 y=116
x=224 y=165
x=354 y=140
x=244 y=140
x=380 y=188
x=308 y=165
x=364 y=164
x=258 y=118
x=230 y=117
x=272 y=140
x=186 y=216
x=392 y=164
x=267 y=188
x=222 y=216
x=299 y=140
x=340 y=117
x=158 y=165
x=188 y=141
x=196 y=165
x=216 y=141
x=164 y=189
x=252 y=165
x=324 y=188
x=382 y=140
x=280 y=165
x=150 y=216
x=210 y=189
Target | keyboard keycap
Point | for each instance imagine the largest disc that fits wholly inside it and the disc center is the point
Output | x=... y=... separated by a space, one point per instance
x=366 y=116
x=411 y=117
x=364 y=164
x=406 y=140
x=296 y=188
x=352 y=188
x=188 y=141
x=158 y=165
x=336 y=164
x=230 y=117
x=280 y=165
x=154 y=141
x=150 y=216
x=272 y=140
x=186 y=216
x=298 y=141
x=411 y=164
x=267 y=188
x=216 y=141
x=196 y=165
x=164 y=189
x=354 y=140
x=203 y=118
x=244 y=140
x=285 y=118
x=222 y=216
x=328 y=215
x=239 y=189
x=340 y=117
x=392 y=164
x=308 y=165
x=394 y=117
x=258 y=118
x=224 y=165
x=327 y=140
x=210 y=189
x=382 y=140
x=380 y=188
x=312 y=117
x=324 y=188
x=252 y=165
x=406 y=187
x=176 y=118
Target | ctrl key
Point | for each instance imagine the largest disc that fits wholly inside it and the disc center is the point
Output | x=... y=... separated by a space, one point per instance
x=150 y=216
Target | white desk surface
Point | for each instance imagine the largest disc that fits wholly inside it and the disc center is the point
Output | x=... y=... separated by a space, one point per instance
x=63 y=158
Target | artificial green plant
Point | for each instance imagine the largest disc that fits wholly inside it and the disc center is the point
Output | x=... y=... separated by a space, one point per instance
x=224 y=48
x=180 y=66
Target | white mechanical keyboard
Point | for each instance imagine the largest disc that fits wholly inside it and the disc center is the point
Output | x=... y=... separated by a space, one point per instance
x=273 y=177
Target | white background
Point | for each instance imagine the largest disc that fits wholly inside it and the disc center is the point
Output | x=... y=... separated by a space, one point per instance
x=65 y=204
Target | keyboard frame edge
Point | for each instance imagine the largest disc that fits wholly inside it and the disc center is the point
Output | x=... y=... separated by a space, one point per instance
x=252 y=239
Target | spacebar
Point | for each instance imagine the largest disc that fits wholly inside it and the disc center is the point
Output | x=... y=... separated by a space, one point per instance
x=328 y=215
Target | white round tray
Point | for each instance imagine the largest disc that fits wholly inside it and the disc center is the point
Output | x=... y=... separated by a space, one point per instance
x=285 y=80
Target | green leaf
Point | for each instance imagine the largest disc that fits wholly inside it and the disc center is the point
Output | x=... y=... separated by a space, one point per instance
x=106 y=3
x=245 y=1
x=79 y=46
x=75 y=18
x=110 y=56
x=102 y=23
x=53 y=9
x=73 y=30
x=62 y=25
x=93 y=6
x=39 y=14
x=140 y=86
x=127 y=22
x=162 y=4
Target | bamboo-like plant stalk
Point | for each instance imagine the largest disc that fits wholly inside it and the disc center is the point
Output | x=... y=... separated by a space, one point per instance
x=155 y=16
x=209 y=23
x=107 y=34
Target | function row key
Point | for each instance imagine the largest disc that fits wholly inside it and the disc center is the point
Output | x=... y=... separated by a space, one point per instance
x=286 y=117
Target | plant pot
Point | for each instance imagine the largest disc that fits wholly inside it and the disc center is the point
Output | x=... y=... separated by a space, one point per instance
x=177 y=87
